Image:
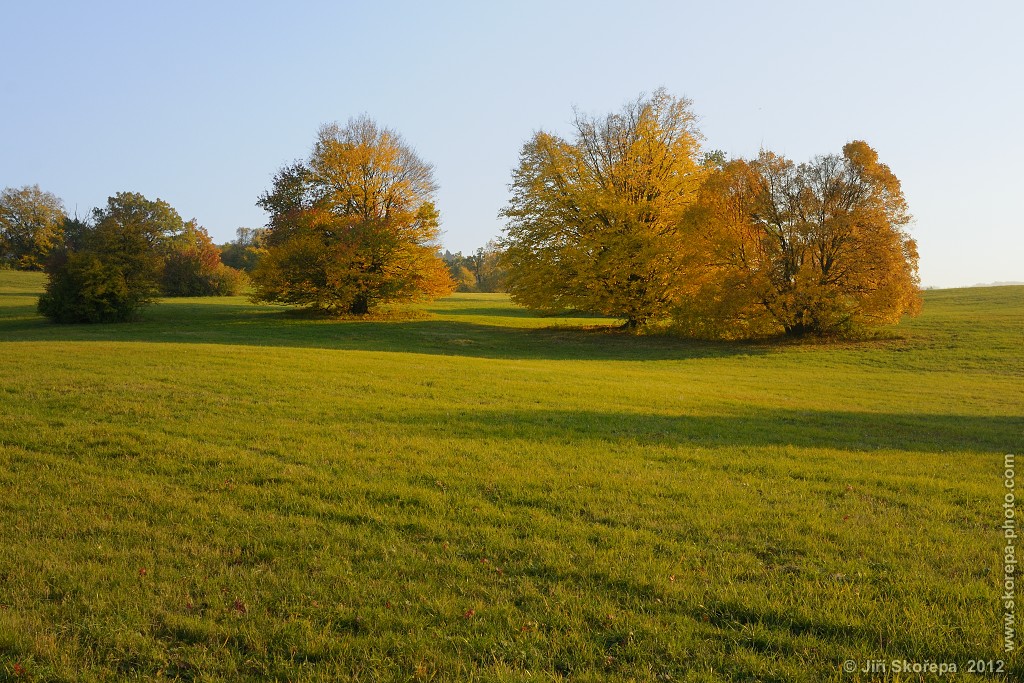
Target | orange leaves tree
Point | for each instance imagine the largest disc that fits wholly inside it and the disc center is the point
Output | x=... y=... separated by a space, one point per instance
x=353 y=226
x=193 y=267
x=819 y=247
x=596 y=224
x=629 y=220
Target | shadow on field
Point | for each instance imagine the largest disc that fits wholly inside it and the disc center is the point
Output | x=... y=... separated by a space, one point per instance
x=220 y=322
x=730 y=614
x=507 y=312
x=859 y=431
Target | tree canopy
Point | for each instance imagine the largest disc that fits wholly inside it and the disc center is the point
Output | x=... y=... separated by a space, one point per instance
x=819 y=247
x=631 y=220
x=133 y=250
x=31 y=222
x=111 y=268
x=352 y=227
x=596 y=223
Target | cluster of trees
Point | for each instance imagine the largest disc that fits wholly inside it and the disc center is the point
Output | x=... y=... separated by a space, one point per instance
x=106 y=268
x=630 y=219
x=244 y=252
x=479 y=272
x=131 y=251
x=192 y=265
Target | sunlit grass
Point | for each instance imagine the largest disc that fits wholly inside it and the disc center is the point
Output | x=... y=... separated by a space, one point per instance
x=227 y=491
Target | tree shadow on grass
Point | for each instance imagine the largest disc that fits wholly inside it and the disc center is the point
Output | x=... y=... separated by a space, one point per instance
x=753 y=427
x=509 y=312
x=221 y=322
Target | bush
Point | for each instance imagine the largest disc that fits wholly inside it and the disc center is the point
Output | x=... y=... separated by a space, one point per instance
x=84 y=289
x=227 y=281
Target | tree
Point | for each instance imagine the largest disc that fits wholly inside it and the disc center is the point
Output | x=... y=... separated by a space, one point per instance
x=192 y=266
x=113 y=267
x=595 y=224
x=478 y=272
x=30 y=226
x=85 y=289
x=485 y=265
x=353 y=226
x=459 y=270
x=133 y=233
x=244 y=252
x=819 y=247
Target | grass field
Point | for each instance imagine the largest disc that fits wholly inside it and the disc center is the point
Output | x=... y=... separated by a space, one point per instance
x=225 y=491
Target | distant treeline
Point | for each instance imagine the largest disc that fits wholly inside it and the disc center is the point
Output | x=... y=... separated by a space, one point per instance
x=478 y=272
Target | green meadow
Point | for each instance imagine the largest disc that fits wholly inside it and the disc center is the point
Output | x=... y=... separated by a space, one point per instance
x=466 y=490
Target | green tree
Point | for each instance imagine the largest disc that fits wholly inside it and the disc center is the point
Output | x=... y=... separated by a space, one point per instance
x=594 y=224
x=30 y=226
x=819 y=247
x=132 y=233
x=244 y=252
x=85 y=289
x=486 y=266
x=113 y=267
x=459 y=270
x=353 y=226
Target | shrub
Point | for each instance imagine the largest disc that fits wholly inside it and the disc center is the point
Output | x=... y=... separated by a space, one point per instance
x=84 y=289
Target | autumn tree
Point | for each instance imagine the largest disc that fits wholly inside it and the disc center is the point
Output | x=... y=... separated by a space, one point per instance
x=30 y=226
x=353 y=226
x=819 y=247
x=192 y=266
x=595 y=223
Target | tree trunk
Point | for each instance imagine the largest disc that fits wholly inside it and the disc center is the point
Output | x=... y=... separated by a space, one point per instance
x=360 y=305
x=632 y=324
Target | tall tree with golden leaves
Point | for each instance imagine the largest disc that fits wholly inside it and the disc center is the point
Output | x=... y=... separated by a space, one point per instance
x=352 y=227
x=819 y=247
x=595 y=224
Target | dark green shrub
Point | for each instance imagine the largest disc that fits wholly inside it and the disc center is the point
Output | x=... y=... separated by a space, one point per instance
x=84 y=289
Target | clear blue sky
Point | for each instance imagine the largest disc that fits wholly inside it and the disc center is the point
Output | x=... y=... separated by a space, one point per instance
x=199 y=103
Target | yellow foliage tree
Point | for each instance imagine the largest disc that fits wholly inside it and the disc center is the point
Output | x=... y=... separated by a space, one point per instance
x=819 y=247
x=31 y=223
x=353 y=227
x=596 y=224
